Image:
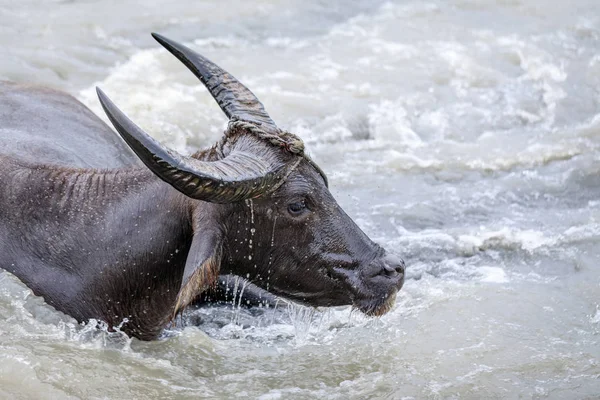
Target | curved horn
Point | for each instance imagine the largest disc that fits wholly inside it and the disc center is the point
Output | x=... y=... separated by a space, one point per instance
x=237 y=177
x=235 y=99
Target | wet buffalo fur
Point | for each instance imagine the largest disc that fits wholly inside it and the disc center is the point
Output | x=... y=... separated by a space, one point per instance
x=118 y=245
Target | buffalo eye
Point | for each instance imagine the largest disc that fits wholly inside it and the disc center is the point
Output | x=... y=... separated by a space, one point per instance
x=297 y=208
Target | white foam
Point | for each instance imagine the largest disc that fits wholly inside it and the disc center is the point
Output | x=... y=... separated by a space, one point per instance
x=388 y=122
x=529 y=240
x=493 y=274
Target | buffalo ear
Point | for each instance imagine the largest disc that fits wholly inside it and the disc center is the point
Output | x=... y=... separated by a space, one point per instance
x=201 y=267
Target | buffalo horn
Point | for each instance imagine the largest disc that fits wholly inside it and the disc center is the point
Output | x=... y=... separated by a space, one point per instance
x=235 y=99
x=238 y=176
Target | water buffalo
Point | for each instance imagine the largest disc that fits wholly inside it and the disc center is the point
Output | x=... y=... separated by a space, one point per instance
x=134 y=244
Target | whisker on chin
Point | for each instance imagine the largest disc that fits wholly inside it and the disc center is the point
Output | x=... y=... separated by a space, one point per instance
x=378 y=309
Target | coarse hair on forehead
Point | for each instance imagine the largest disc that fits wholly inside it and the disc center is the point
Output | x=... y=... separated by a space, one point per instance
x=285 y=140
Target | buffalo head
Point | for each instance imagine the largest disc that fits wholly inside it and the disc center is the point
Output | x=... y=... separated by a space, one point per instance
x=261 y=207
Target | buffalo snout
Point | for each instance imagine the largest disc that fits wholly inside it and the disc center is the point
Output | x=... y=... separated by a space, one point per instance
x=384 y=271
x=374 y=285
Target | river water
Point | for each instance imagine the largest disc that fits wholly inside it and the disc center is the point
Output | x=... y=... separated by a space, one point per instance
x=463 y=135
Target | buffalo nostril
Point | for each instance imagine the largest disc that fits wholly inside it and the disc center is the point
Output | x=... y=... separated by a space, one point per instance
x=393 y=268
x=401 y=267
x=390 y=271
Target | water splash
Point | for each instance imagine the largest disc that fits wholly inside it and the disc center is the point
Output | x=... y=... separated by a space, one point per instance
x=305 y=320
x=97 y=334
x=251 y=203
x=270 y=263
x=236 y=283
x=237 y=308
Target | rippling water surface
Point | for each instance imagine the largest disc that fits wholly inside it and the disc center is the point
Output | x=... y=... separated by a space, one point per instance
x=462 y=135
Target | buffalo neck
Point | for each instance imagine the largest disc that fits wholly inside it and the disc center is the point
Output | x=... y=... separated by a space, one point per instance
x=115 y=240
